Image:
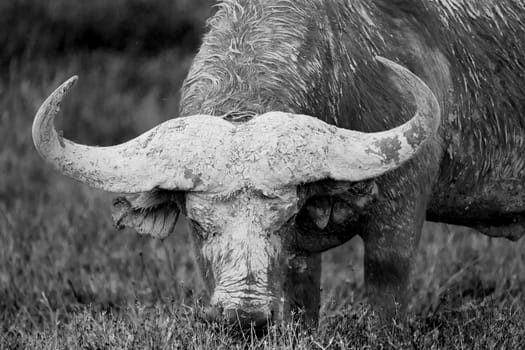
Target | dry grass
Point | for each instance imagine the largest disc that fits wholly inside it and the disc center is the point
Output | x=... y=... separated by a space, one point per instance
x=68 y=279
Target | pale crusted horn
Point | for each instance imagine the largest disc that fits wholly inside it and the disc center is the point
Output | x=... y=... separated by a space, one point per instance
x=167 y=156
x=354 y=156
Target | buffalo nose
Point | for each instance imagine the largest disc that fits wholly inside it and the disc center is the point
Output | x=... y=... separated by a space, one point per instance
x=245 y=319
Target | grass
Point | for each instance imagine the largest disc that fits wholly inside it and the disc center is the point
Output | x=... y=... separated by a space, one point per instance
x=68 y=279
x=51 y=27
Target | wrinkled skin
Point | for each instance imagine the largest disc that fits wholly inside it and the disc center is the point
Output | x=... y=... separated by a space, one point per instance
x=242 y=248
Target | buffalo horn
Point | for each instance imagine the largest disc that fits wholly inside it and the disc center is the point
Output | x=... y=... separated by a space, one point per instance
x=355 y=156
x=159 y=158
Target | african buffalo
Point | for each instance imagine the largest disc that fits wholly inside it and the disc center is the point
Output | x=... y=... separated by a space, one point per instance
x=298 y=131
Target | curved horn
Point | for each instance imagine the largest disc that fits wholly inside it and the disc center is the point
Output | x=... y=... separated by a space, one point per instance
x=200 y=152
x=168 y=156
x=355 y=156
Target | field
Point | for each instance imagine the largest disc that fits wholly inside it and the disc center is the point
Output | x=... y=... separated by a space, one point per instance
x=69 y=280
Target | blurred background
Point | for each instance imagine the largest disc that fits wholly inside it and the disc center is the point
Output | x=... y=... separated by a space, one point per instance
x=60 y=256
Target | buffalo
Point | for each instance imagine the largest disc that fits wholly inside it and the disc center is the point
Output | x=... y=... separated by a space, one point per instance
x=304 y=123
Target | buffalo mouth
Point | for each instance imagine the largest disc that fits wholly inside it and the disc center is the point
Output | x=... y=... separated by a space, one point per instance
x=241 y=319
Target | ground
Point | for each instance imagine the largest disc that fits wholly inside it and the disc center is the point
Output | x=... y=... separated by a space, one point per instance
x=68 y=279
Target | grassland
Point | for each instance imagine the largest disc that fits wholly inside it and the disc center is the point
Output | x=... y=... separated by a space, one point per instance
x=69 y=280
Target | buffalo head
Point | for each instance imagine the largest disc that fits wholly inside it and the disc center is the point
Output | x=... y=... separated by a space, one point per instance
x=245 y=186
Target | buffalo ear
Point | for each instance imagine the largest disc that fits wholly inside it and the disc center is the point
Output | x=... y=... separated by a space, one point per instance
x=151 y=213
x=339 y=202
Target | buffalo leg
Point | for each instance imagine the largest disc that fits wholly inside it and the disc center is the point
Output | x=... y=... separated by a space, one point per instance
x=302 y=287
x=390 y=244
